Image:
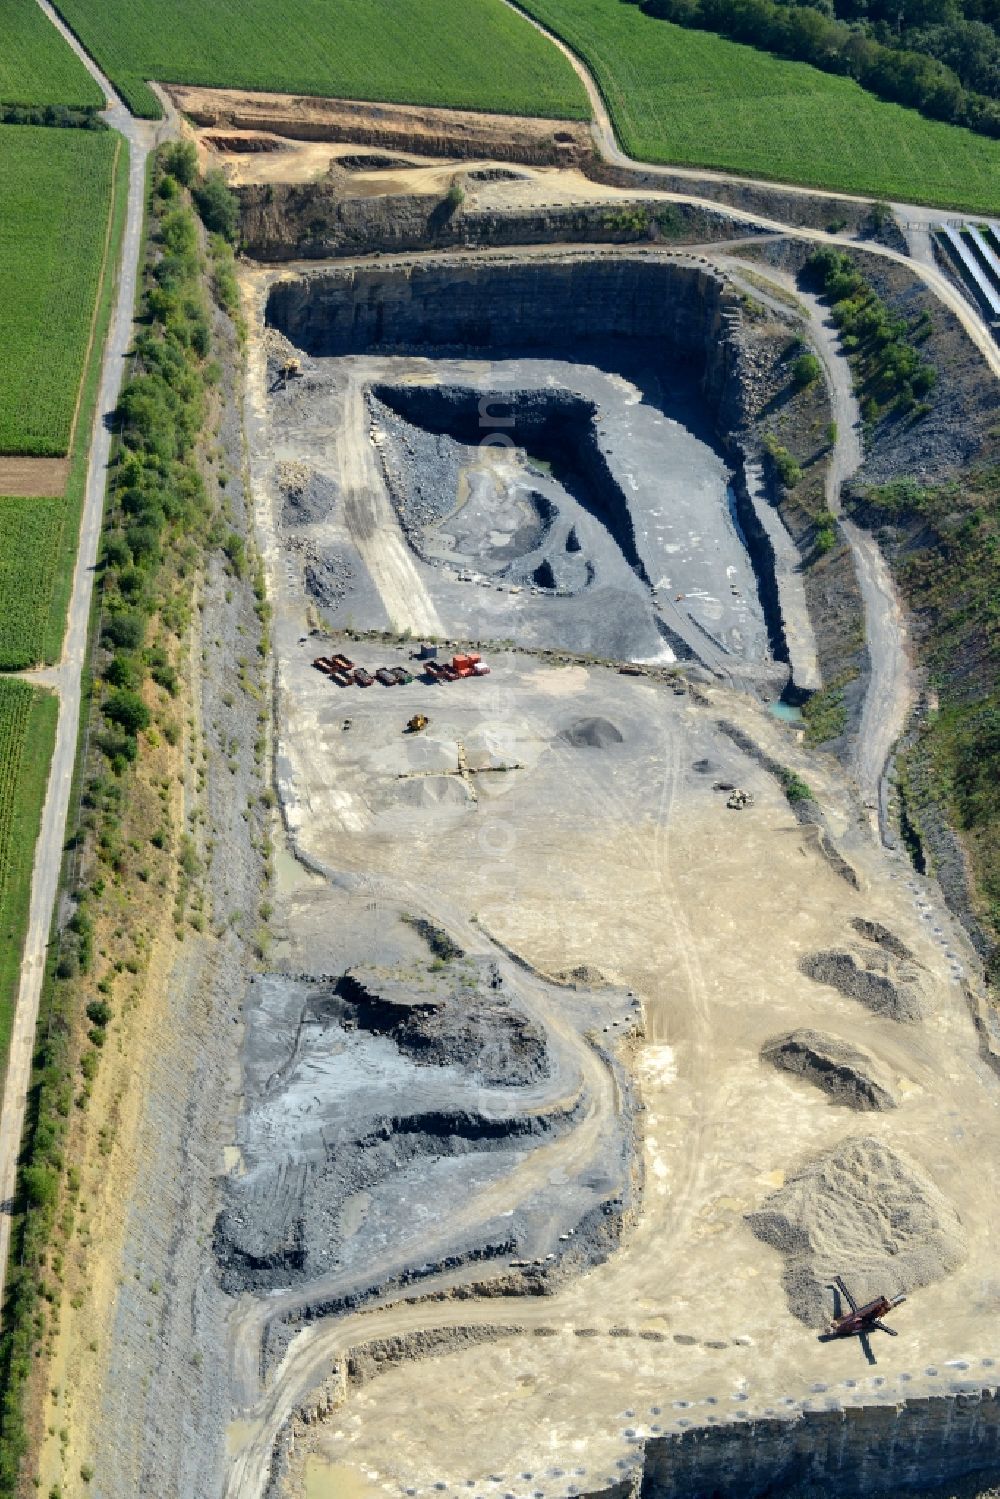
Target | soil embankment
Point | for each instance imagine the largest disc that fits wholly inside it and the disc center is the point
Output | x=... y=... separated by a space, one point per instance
x=433 y=132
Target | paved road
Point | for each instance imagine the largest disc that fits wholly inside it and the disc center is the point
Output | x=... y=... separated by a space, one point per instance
x=65 y=677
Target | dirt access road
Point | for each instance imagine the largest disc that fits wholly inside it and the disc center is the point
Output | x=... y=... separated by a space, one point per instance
x=374 y=530
x=607 y=144
x=891 y=689
x=140 y=138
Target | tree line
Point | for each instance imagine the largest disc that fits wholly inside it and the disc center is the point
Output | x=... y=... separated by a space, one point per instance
x=930 y=55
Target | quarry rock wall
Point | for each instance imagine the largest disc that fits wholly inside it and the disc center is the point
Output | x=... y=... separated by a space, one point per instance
x=678 y=306
x=515 y=306
x=316 y=220
x=867 y=1450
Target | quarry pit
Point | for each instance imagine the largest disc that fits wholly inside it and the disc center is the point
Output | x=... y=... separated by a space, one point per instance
x=572 y=1082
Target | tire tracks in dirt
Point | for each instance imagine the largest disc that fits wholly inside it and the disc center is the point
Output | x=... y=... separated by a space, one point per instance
x=374 y=529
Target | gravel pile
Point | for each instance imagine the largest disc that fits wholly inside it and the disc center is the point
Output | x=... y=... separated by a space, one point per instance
x=874 y=931
x=591 y=733
x=847 y=1073
x=860 y=1211
x=878 y=981
x=450 y=1013
x=307 y=496
x=328 y=579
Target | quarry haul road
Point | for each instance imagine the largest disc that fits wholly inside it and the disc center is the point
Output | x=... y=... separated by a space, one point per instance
x=375 y=530
x=891 y=689
x=65 y=678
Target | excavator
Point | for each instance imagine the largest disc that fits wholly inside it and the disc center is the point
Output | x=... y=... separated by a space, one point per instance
x=859 y=1321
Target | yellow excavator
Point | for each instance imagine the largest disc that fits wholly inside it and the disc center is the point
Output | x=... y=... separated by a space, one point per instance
x=416 y=723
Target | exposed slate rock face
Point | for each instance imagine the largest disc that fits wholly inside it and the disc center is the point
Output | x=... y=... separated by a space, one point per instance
x=466 y=1019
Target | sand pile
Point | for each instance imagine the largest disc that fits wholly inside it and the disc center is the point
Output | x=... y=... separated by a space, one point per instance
x=848 y=1074
x=860 y=1211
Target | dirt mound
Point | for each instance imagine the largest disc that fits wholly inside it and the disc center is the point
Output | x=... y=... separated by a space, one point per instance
x=878 y=982
x=496 y=174
x=372 y=161
x=591 y=733
x=307 y=496
x=845 y=1072
x=455 y=1013
x=860 y=1211
x=874 y=931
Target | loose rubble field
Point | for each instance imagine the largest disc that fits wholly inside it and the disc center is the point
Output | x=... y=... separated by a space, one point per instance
x=550 y=1097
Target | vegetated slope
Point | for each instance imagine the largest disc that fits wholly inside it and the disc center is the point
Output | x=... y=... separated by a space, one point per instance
x=465 y=53
x=944 y=542
x=692 y=98
x=30 y=548
x=37 y=66
x=27 y=732
x=55 y=195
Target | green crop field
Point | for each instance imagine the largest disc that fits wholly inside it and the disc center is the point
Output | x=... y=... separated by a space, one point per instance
x=464 y=53
x=695 y=99
x=27 y=734
x=36 y=65
x=31 y=544
x=55 y=197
